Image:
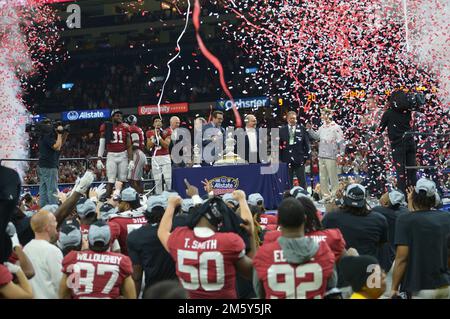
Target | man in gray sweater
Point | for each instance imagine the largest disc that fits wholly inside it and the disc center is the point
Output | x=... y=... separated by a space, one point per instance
x=331 y=150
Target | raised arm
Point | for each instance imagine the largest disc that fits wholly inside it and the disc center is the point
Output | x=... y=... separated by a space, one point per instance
x=249 y=225
x=312 y=134
x=21 y=290
x=165 y=225
x=81 y=188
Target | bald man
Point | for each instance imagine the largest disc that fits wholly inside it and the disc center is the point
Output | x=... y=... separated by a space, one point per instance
x=251 y=139
x=174 y=137
x=45 y=257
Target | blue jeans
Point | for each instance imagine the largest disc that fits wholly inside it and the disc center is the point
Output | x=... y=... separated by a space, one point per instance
x=48 y=186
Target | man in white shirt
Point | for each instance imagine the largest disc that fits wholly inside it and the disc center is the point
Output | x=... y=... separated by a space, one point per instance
x=45 y=257
x=174 y=125
x=251 y=139
x=331 y=150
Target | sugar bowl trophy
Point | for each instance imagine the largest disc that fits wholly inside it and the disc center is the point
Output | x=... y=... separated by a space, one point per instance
x=230 y=157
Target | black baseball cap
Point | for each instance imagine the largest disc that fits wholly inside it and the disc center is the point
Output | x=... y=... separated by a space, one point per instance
x=355 y=195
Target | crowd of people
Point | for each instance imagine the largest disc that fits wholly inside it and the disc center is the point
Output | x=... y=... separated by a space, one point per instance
x=118 y=240
x=141 y=246
x=84 y=145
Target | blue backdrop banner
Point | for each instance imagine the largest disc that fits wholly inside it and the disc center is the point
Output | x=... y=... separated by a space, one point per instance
x=226 y=179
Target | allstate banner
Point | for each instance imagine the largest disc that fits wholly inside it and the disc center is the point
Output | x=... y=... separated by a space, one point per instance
x=246 y=103
x=80 y=115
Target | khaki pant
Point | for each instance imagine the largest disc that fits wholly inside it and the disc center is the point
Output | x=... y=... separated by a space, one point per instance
x=439 y=293
x=162 y=166
x=328 y=176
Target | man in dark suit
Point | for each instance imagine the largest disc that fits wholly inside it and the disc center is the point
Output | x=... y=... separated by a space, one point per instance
x=294 y=148
x=213 y=132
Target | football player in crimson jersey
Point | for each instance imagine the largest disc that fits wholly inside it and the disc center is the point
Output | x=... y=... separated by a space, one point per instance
x=294 y=266
x=119 y=159
x=97 y=273
x=139 y=158
x=130 y=216
x=87 y=212
x=314 y=229
x=268 y=221
x=158 y=141
x=206 y=259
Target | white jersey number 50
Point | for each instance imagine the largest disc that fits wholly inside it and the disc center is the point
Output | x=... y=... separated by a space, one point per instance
x=199 y=276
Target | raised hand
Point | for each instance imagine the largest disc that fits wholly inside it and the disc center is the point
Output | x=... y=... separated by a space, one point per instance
x=207 y=186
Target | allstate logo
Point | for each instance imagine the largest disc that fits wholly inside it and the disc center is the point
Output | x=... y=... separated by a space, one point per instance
x=72 y=115
x=224 y=184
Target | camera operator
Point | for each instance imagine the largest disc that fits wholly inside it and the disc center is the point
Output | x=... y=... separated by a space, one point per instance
x=51 y=139
x=397 y=119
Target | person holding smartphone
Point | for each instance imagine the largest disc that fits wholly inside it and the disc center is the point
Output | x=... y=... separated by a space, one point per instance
x=158 y=141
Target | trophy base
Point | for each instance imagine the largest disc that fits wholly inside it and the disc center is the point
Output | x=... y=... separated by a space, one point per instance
x=230 y=161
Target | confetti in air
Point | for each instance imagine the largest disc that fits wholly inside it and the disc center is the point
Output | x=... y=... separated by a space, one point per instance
x=13 y=139
x=429 y=37
x=27 y=42
x=214 y=60
x=178 y=49
x=347 y=54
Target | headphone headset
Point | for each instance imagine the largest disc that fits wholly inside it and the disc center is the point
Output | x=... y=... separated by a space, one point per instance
x=131 y=119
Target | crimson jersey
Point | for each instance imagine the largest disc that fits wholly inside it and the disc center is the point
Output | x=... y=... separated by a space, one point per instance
x=95 y=274
x=118 y=143
x=159 y=149
x=332 y=236
x=205 y=265
x=282 y=280
x=13 y=259
x=113 y=227
x=127 y=222
x=270 y=227
x=136 y=130
x=5 y=276
x=266 y=219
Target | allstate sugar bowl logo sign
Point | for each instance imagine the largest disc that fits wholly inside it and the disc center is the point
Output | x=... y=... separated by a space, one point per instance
x=78 y=115
x=224 y=184
x=72 y=115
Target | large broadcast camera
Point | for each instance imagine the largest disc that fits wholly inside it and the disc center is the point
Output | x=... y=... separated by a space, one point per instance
x=406 y=101
x=46 y=126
